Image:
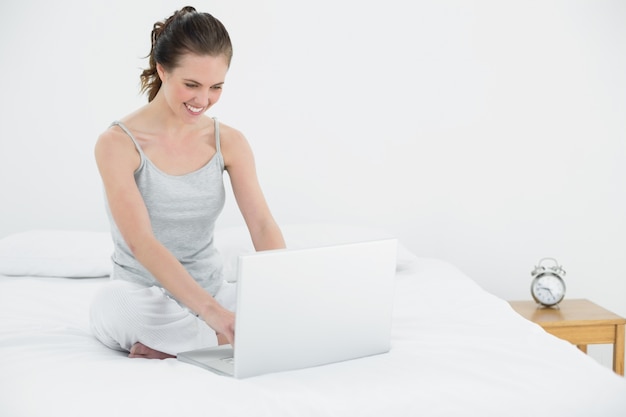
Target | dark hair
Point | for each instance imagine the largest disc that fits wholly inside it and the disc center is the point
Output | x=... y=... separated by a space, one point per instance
x=185 y=31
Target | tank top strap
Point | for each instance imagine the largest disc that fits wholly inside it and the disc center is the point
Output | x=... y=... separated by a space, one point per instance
x=130 y=135
x=217 y=135
x=143 y=156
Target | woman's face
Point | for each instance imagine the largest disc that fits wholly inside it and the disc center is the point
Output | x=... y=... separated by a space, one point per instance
x=194 y=85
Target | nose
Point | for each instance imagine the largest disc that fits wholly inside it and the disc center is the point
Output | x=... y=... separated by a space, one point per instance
x=209 y=97
x=204 y=97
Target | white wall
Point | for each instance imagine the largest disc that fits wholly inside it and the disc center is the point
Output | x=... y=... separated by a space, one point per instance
x=490 y=133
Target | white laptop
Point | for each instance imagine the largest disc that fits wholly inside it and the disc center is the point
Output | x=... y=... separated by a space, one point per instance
x=298 y=308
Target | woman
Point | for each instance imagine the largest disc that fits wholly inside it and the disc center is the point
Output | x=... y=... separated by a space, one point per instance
x=162 y=168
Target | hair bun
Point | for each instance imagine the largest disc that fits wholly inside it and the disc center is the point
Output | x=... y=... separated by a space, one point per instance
x=185 y=10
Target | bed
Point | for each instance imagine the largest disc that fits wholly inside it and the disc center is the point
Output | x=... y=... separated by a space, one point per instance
x=469 y=355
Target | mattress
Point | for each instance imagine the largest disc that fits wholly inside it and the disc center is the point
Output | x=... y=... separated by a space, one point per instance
x=456 y=350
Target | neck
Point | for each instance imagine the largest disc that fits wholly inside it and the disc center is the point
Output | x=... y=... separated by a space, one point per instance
x=164 y=119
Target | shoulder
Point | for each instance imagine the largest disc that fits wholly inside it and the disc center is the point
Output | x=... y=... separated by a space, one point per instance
x=229 y=136
x=114 y=146
x=234 y=145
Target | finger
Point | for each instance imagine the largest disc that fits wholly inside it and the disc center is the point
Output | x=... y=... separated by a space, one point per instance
x=231 y=338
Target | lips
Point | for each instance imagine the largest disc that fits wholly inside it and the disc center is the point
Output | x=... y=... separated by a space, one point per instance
x=194 y=110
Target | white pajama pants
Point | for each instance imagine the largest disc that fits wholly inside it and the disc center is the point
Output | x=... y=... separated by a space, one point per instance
x=124 y=313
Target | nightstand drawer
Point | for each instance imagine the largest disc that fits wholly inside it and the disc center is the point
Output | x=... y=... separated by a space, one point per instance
x=584 y=335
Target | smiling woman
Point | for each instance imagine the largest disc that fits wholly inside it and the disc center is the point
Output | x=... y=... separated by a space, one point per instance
x=419 y=120
x=183 y=32
x=194 y=85
x=162 y=169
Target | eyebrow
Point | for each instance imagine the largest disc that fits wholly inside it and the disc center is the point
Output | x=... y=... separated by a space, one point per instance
x=189 y=80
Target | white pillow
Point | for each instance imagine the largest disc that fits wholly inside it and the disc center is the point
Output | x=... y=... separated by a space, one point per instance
x=234 y=241
x=56 y=253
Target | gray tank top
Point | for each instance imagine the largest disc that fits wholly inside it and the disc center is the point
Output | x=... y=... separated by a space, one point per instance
x=183 y=210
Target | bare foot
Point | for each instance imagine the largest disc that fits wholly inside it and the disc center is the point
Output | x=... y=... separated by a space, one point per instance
x=139 y=350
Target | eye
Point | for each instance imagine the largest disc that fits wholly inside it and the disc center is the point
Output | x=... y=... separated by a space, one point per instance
x=216 y=87
x=190 y=85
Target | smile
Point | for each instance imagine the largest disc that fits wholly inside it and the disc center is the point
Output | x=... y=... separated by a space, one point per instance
x=194 y=109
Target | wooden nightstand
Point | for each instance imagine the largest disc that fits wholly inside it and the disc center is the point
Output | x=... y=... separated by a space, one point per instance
x=580 y=322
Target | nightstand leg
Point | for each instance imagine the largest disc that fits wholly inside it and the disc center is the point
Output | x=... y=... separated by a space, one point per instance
x=618 y=350
x=583 y=348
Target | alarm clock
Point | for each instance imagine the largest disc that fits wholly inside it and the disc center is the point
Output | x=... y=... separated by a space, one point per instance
x=548 y=286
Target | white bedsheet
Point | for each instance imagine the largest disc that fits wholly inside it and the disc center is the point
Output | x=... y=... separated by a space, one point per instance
x=471 y=355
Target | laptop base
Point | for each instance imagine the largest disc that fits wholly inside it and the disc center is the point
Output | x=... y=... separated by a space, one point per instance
x=218 y=359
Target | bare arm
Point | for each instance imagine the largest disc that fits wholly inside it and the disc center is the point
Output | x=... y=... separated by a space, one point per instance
x=239 y=162
x=117 y=160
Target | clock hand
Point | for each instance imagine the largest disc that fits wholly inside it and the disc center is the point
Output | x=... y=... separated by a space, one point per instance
x=547 y=289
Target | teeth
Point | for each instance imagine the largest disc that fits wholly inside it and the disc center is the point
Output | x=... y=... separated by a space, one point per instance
x=194 y=109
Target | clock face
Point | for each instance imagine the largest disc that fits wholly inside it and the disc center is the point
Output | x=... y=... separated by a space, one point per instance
x=548 y=289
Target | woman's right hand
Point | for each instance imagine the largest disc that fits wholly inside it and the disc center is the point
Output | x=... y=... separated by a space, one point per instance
x=221 y=320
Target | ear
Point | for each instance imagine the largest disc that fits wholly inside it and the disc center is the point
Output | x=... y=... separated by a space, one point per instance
x=161 y=71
